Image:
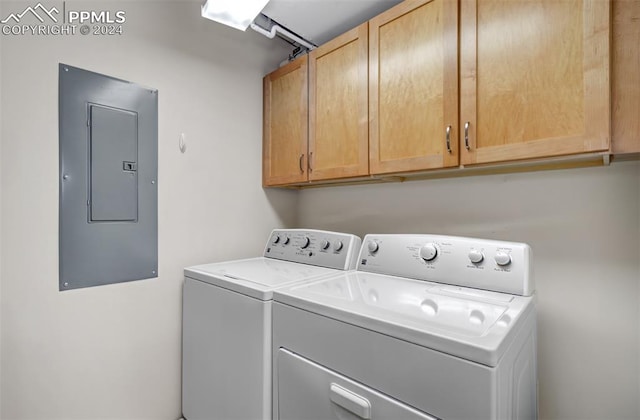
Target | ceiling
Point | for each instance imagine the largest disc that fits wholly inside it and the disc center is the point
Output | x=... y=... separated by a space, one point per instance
x=320 y=21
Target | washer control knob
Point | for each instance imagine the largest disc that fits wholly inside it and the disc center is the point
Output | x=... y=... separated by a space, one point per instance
x=429 y=252
x=325 y=244
x=475 y=256
x=337 y=246
x=502 y=258
x=275 y=239
x=305 y=242
x=287 y=240
x=373 y=247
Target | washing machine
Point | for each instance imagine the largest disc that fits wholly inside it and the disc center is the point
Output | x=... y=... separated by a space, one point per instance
x=427 y=327
x=226 y=343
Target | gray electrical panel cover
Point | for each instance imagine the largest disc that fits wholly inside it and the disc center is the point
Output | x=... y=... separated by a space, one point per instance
x=108 y=179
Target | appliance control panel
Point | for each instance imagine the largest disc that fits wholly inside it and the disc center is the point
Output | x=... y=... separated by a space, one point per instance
x=478 y=263
x=315 y=247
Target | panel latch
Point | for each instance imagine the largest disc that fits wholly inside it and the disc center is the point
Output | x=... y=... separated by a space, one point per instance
x=129 y=166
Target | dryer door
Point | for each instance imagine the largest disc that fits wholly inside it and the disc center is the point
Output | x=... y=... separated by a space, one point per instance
x=308 y=391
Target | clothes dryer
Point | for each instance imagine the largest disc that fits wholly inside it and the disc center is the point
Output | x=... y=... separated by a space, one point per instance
x=427 y=327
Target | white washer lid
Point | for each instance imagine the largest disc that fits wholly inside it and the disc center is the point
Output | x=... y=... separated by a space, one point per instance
x=474 y=324
x=256 y=277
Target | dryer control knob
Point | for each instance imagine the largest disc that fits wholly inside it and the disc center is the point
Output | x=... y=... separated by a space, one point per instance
x=373 y=247
x=475 y=256
x=305 y=242
x=337 y=246
x=502 y=258
x=287 y=240
x=325 y=244
x=275 y=239
x=429 y=252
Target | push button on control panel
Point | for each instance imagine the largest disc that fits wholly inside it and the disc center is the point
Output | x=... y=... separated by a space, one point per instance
x=475 y=256
x=502 y=258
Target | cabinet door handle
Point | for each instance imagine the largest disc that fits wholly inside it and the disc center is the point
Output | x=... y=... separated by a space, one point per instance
x=309 y=162
x=466 y=135
x=301 y=168
x=350 y=401
x=448 y=138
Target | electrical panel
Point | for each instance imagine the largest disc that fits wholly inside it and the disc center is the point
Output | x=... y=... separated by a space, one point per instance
x=108 y=179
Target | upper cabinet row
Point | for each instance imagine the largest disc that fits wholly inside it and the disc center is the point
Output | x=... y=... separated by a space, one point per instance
x=434 y=84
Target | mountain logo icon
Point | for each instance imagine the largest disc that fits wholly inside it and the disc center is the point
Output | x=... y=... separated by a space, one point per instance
x=39 y=11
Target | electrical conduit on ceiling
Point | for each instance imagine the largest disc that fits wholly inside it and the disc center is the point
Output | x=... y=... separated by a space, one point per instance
x=277 y=28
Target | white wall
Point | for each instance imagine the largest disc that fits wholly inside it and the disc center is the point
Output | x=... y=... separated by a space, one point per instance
x=584 y=228
x=114 y=352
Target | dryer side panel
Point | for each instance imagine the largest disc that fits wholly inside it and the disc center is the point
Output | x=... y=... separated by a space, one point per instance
x=517 y=375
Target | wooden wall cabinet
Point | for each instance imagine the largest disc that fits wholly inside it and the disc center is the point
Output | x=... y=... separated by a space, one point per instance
x=435 y=84
x=285 y=130
x=413 y=87
x=316 y=115
x=534 y=79
x=534 y=82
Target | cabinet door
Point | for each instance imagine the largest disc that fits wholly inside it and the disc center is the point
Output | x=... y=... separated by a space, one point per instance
x=285 y=132
x=338 y=107
x=534 y=78
x=625 y=77
x=413 y=87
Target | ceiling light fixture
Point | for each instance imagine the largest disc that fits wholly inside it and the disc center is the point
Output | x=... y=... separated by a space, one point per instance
x=235 y=13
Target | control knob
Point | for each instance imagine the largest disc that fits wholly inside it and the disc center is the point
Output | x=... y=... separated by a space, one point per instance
x=276 y=239
x=305 y=242
x=502 y=258
x=325 y=244
x=337 y=246
x=287 y=240
x=373 y=247
x=429 y=252
x=476 y=256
